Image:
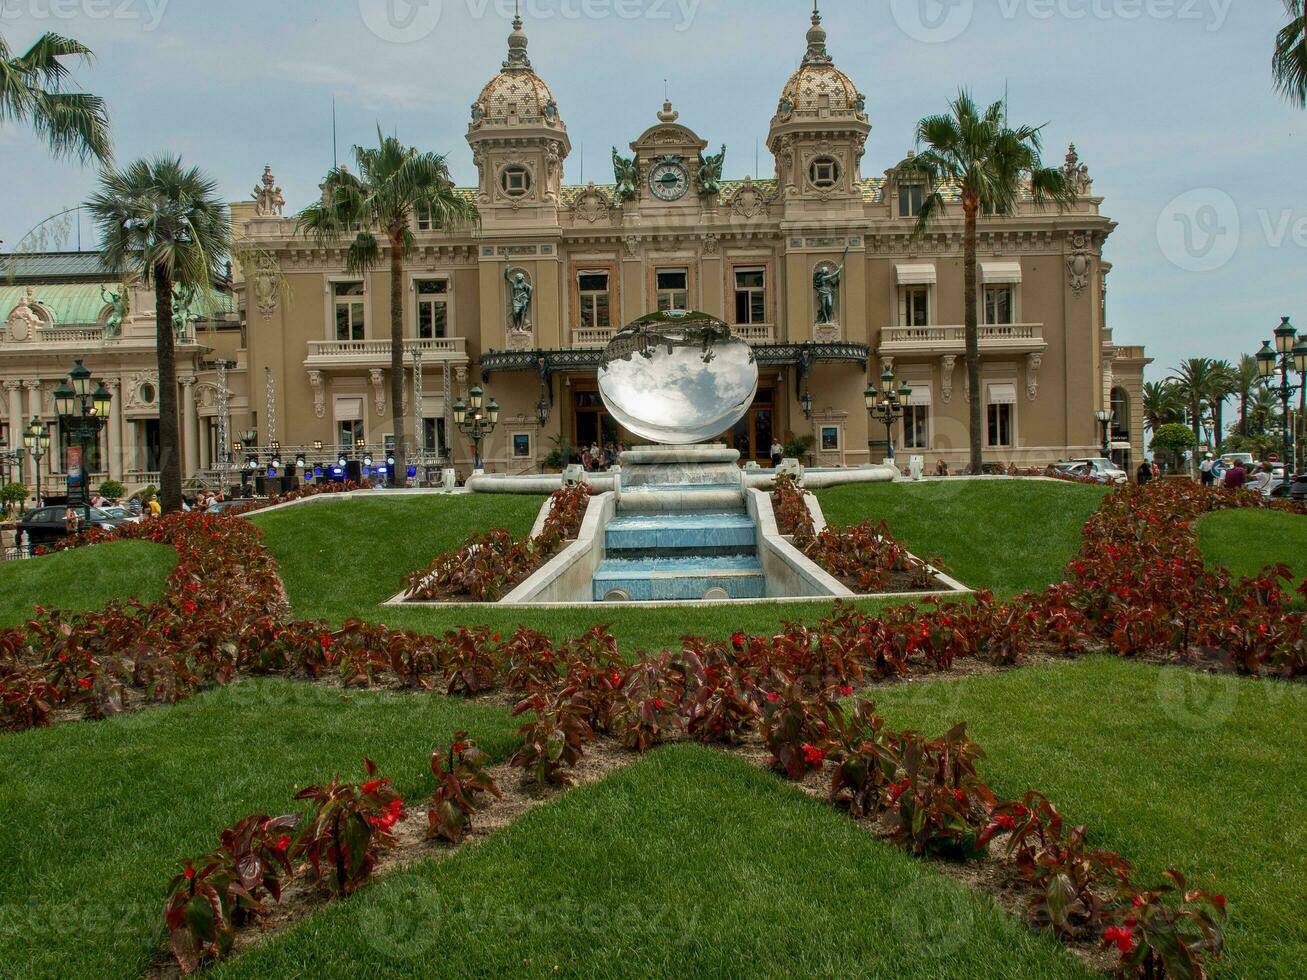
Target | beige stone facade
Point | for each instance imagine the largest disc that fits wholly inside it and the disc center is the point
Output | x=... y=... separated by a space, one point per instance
x=310 y=343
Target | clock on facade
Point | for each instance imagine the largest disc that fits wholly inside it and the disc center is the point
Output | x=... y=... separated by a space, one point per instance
x=669 y=181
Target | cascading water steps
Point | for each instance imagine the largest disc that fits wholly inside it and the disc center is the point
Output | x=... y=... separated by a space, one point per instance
x=679 y=556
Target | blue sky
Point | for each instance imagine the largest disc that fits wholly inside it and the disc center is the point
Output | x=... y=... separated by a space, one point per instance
x=1169 y=102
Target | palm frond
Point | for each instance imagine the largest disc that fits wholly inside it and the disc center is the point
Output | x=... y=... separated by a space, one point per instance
x=1289 y=62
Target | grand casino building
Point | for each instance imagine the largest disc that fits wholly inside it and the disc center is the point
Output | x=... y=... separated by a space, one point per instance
x=303 y=354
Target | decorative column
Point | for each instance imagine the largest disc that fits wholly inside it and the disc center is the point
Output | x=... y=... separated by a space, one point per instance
x=17 y=424
x=191 y=433
x=115 y=433
x=33 y=399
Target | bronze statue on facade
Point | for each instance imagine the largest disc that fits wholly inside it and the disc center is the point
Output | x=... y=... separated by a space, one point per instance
x=710 y=172
x=520 y=290
x=627 y=174
x=826 y=283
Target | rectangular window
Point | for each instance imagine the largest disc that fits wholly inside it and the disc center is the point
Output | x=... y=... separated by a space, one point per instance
x=915 y=427
x=433 y=308
x=998 y=304
x=349 y=310
x=673 y=289
x=348 y=432
x=424 y=219
x=596 y=300
x=830 y=438
x=750 y=296
x=1000 y=426
x=916 y=300
x=433 y=435
x=910 y=200
x=521 y=445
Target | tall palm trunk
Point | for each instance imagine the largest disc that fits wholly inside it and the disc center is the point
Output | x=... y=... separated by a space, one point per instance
x=1243 y=413
x=1196 y=420
x=1218 y=423
x=170 y=464
x=969 y=208
x=397 y=355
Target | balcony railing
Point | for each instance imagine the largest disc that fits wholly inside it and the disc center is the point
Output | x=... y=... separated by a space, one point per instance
x=1014 y=338
x=753 y=333
x=82 y=334
x=376 y=353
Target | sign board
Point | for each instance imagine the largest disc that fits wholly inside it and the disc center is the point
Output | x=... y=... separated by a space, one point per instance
x=1273 y=458
x=73 y=465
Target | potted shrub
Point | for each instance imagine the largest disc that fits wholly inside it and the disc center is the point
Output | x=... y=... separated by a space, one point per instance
x=1172 y=441
x=560 y=456
x=12 y=496
x=112 y=490
x=800 y=448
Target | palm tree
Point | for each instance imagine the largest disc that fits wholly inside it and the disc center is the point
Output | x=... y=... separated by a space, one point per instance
x=1289 y=63
x=1223 y=385
x=393 y=184
x=988 y=165
x=167 y=224
x=1196 y=379
x=71 y=123
x=1264 y=412
x=1163 y=404
x=1246 y=380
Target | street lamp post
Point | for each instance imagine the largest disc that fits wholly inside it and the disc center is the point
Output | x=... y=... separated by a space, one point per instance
x=37 y=442
x=476 y=420
x=83 y=413
x=1104 y=417
x=887 y=404
x=1285 y=356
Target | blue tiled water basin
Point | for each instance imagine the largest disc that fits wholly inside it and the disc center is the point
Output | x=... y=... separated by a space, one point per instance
x=664 y=579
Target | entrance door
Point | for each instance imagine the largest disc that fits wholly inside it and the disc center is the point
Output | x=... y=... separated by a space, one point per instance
x=752 y=435
x=594 y=426
x=148 y=444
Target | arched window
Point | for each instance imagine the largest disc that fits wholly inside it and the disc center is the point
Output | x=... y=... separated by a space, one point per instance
x=1120 y=415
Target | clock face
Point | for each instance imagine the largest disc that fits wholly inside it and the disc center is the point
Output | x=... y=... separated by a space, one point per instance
x=669 y=181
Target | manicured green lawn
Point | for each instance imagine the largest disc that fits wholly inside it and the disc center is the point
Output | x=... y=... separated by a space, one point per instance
x=686 y=864
x=84 y=579
x=1246 y=541
x=341 y=559
x=1173 y=768
x=1009 y=536
x=97 y=815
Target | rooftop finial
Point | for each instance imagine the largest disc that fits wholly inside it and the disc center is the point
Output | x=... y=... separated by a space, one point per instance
x=817 y=54
x=517 y=56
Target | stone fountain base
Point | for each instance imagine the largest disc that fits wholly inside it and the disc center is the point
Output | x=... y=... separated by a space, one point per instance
x=696 y=466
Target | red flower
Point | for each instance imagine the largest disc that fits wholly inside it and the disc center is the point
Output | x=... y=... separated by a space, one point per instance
x=737 y=641
x=846 y=690
x=283 y=843
x=1005 y=821
x=1139 y=901
x=495 y=638
x=616 y=678
x=84 y=682
x=189 y=874
x=773 y=697
x=373 y=785
x=960 y=795
x=188 y=606
x=1220 y=900
x=659 y=703
x=813 y=755
x=459 y=747
x=1122 y=937
x=325 y=641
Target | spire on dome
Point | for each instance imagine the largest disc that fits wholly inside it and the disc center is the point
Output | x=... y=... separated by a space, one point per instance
x=517 y=56
x=817 y=53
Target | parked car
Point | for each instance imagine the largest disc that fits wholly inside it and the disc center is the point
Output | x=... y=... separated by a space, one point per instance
x=1101 y=468
x=47 y=524
x=1071 y=469
x=1229 y=459
x=122 y=514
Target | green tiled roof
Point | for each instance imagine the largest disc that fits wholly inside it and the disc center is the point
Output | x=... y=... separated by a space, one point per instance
x=67 y=303
x=44 y=266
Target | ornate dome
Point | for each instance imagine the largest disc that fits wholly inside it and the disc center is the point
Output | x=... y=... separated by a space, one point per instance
x=818 y=83
x=517 y=91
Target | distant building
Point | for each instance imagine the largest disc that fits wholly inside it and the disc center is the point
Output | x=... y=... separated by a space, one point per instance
x=310 y=343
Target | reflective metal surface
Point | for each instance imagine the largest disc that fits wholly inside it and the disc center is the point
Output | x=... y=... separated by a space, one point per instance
x=678 y=377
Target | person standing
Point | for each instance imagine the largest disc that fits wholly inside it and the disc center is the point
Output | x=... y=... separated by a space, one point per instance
x=1207 y=471
x=1144 y=476
x=1236 y=477
x=777 y=453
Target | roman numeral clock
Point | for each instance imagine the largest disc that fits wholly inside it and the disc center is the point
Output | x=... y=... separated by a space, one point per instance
x=668 y=179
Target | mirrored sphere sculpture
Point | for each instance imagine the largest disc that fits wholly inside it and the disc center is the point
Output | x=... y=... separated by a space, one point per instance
x=678 y=377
